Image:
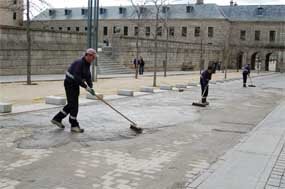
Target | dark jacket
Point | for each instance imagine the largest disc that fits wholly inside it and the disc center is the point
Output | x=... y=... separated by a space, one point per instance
x=246 y=69
x=205 y=77
x=80 y=70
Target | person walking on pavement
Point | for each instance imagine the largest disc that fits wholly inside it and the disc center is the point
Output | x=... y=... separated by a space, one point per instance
x=141 y=64
x=205 y=77
x=78 y=74
x=245 y=73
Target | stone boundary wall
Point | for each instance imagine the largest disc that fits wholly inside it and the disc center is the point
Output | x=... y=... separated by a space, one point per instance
x=181 y=55
x=52 y=51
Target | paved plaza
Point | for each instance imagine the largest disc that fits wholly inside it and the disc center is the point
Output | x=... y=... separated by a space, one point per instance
x=235 y=143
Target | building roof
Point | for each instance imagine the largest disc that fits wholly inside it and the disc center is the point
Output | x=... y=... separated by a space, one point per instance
x=254 y=12
x=177 y=11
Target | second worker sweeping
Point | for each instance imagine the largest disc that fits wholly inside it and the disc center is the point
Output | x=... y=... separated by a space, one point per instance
x=205 y=77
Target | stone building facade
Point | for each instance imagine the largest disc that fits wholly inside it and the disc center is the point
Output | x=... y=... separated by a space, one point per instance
x=52 y=51
x=11 y=12
x=204 y=33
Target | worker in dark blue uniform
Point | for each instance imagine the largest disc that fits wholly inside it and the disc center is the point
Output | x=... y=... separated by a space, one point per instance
x=78 y=74
x=205 y=77
x=245 y=73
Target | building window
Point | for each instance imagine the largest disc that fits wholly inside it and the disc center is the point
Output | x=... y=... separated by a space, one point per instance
x=136 y=30
x=52 y=28
x=68 y=28
x=84 y=12
x=15 y=2
x=197 y=32
x=105 y=31
x=210 y=32
x=126 y=30
x=147 y=31
x=86 y=28
x=171 y=31
x=189 y=9
x=184 y=31
x=77 y=29
x=60 y=28
x=272 y=36
x=14 y=16
x=159 y=31
x=242 y=35
x=257 y=35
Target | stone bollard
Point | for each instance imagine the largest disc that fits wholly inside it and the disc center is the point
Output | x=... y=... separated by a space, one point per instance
x=92 y=97
x=55 y=100
x=147 y=89
x=181 y=86
x=125 y=92
x=5 y=107
x=166 y=87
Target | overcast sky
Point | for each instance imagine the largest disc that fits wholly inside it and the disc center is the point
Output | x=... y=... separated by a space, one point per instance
x=83 y=3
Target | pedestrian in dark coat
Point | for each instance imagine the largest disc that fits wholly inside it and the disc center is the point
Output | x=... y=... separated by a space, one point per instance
x=141 y=64
x=205 y=77
x=78 y=75
x=245 y=73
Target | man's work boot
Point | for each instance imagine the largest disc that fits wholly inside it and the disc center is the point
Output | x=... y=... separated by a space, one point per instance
x=56 y=120
x=244 y=85
x=76 y=129
x=57 y=123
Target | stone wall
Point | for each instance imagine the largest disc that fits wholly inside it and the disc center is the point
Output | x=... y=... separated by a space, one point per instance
x=52 y=51
x=181 y=55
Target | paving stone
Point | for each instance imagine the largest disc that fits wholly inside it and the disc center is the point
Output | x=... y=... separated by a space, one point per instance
x=90 y=96
x=166 y=87
x=125 y=92
x=56 y=100
x=147 y=89
x=5 y=107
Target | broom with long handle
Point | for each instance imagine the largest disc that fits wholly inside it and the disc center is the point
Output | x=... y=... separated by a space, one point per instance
x=133 y=125
x=198 y=103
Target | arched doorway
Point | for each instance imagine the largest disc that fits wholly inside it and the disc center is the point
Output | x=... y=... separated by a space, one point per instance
x=255 y=61
x=271 y=62
x=239 y=60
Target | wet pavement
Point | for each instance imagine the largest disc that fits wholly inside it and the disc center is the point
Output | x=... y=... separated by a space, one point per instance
x=180 y=143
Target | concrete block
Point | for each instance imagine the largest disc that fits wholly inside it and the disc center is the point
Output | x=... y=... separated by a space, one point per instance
x=5 y=107
x=193 y=84
x=125 y=92
x=166 y=87
x=181 y=86
x=55 y=100
x=147 y=89
x=90 y=96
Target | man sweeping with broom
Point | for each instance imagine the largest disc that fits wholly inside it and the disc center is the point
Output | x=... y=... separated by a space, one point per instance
x=205 y=77
x=245 y=73
x=77 y=75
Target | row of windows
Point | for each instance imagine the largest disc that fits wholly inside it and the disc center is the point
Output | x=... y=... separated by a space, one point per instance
x=257 y=34
x=171 y=31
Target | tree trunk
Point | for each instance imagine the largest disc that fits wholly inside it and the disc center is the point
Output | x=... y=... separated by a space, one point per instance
x=28 y=45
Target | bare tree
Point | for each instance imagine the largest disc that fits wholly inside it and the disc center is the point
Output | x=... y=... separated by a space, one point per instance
x=29 y=8
x=158 y=4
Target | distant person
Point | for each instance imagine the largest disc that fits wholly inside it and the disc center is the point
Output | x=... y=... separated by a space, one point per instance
x=136 y=62
x=245 y=73
x=141 y=66
x=205 y=77
x=78 y=74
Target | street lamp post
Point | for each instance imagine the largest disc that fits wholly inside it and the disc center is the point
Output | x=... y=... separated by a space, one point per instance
x=92 y=32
